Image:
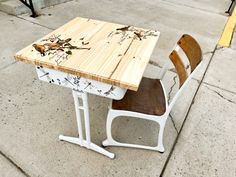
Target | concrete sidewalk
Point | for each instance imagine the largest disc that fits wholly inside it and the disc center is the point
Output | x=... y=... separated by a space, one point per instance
x=32 y=115
x=206 y=146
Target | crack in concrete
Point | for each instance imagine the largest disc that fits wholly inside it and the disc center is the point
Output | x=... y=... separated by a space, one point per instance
x=205 y=53
x=185 y=119
x=218 y=87
x=196 y=80
x=171 y=88
x=29 y=21
x=8 y=65
x=34 y=22
x=151 y=62
x=221 y=95
x=173 y=122
x=13 y=163
x=219 y=47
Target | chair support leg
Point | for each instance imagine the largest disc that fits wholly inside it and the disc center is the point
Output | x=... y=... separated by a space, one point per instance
x=111 y=142
x=160 y=145
x=109 y=139
x=80 y=140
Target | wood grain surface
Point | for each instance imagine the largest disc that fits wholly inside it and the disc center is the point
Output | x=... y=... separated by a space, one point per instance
x=112 y=53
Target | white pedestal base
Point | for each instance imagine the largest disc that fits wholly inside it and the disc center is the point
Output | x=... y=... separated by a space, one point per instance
x=84 y=143
x=81 y=140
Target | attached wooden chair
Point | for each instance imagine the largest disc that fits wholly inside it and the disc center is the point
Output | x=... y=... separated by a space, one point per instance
x=150 y=101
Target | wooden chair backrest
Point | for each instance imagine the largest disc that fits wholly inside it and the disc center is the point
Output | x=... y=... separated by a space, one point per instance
x=193 y=52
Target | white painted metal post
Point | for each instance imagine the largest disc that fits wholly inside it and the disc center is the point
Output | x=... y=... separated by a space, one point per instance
x=48 y=75
x=86 y=117
x=80 y=140
x=78 y=116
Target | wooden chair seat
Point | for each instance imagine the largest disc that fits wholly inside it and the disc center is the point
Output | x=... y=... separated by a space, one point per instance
x=149 y=99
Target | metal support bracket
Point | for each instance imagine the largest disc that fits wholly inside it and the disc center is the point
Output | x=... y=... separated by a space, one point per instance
x=81 y=140
x=30 y=5
x=231 y=7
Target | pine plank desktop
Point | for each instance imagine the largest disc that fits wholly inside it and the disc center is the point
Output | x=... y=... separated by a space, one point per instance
x=111 y=53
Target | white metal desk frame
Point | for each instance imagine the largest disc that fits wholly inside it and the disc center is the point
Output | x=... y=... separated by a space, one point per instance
x=80 y=88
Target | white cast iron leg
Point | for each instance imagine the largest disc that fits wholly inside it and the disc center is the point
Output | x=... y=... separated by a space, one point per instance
x=80 y=140
x=78 y=116
x=110 y=117
x=86 y=117
x=160 y=145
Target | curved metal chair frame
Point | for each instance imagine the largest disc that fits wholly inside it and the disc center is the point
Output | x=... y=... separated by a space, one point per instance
x=194 y=54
